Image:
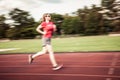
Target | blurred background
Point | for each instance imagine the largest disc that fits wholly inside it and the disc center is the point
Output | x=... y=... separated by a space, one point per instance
x=82 y=25
x=19 y=18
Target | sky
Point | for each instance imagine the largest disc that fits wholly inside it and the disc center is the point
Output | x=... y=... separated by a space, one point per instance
x=38 y=7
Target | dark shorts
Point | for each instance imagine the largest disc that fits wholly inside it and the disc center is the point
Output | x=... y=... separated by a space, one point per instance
x=46 y=41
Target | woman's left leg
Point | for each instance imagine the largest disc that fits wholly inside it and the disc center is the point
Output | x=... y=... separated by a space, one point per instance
x=51 y=55
x=52 y=58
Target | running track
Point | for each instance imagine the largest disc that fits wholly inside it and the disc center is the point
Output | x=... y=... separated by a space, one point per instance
x=77 y=66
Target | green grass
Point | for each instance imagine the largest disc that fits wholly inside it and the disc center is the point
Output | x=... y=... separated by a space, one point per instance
x=73 y=44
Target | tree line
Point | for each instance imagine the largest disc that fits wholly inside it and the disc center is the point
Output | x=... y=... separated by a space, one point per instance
x=19 y=24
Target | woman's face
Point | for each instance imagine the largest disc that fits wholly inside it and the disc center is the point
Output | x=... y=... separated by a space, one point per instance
x=48 y=17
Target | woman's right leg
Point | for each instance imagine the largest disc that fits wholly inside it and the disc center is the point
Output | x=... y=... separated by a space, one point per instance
x=44 y=51
x=31 y=57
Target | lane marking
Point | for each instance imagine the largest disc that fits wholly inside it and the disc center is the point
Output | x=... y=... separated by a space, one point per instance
x=35 y=66
x=112 y=69
x=1 y=50
x=109 y=79
x=74 y=75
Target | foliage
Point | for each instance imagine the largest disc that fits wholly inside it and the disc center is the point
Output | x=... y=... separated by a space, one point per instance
x=93 y=22
x=24 y=25
x=3 y=27
x=71 y=25
x=107 y=3
x=57 y=19
x=112 y=16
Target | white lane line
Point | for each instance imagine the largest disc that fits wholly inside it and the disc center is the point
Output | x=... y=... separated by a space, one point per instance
x=50 y=74
x=114 y=62
x=109 y=79
x=1 y=50
x=22 y=66
x=112 y=69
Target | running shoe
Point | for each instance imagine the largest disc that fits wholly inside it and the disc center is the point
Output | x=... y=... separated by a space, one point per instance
x=57 y=67
x=30 y=59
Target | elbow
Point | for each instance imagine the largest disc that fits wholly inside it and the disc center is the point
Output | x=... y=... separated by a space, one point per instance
x=37 y=29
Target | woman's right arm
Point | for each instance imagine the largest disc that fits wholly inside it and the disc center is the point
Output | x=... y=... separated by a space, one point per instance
x=38 y=29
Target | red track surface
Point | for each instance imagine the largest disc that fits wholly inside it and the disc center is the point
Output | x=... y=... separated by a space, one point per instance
x=77 y=66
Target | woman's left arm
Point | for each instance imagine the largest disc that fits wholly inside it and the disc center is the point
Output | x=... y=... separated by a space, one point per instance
x=54 y=28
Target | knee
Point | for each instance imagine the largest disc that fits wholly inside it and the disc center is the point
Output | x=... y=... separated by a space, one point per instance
x=49 y=48
x=44 y=51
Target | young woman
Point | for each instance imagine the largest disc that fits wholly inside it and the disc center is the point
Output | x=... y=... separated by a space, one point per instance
x=46 y=28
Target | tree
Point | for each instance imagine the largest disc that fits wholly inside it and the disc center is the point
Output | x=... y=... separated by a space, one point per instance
x=111 y=14
x=3 y=27
x=24 y=25
x=57 y=19
x=107 y=3
x=91 y=21
x=71 y=25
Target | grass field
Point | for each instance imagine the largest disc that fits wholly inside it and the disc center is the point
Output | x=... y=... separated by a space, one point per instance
x=71 y=44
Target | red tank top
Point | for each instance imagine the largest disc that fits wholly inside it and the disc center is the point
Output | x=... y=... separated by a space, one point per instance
x=49 y=28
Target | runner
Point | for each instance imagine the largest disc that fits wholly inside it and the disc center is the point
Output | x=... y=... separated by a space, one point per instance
x=46 y=28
